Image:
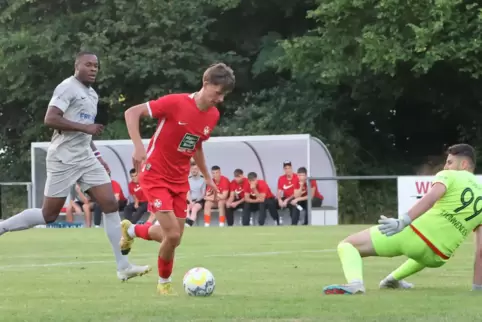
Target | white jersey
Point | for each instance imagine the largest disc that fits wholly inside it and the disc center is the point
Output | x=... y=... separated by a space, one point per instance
x=197 y=187
x=79 y=104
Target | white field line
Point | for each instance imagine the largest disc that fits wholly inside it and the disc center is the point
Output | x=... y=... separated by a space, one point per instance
x=141 y=256
x=80 y=263
x=109 y=255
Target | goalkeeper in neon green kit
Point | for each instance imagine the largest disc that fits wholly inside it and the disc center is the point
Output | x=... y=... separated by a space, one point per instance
x=428 y=234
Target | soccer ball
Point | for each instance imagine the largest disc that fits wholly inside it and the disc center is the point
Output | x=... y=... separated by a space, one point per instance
x=199 y=281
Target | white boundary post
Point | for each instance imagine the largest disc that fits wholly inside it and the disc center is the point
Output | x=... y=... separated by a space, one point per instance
x=32 y=174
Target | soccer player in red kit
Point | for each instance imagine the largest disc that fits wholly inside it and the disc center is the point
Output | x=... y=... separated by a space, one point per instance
x=185 y=121
x=286 y=190
x=217 y=200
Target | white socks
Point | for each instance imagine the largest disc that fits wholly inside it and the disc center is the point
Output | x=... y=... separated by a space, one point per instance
x=32 y=217
x=164 y=280
x=112 y=227
x=26 y=219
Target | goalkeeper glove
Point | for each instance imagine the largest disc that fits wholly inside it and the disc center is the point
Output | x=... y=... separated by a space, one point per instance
x=392 y=226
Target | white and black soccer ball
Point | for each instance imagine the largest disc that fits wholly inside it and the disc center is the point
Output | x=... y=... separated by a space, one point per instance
x=199 y=281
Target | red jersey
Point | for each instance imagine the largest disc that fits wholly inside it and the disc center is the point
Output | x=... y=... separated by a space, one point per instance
x=222 y=184
x=180 y=132
x=136 y=190
x=313 y=187
x=261 y=186
x=288 y=185
x=118 y=190
x=238 y=188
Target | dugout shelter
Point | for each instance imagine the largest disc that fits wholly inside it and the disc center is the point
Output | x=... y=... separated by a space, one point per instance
x=262 y=154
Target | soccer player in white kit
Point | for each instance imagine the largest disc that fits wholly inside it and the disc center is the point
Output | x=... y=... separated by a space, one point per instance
x=72 y=158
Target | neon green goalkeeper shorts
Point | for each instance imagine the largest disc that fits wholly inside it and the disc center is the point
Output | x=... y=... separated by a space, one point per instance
x=407 y=243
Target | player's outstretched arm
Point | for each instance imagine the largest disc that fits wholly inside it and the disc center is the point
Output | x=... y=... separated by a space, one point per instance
x=99 y=156
x=200 y=160
x=436 y=192
x=133 y=116
x=477 y=282
x=201 y=163
x=391 y=226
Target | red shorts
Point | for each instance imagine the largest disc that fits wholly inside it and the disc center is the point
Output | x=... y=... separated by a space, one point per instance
x=163 y=195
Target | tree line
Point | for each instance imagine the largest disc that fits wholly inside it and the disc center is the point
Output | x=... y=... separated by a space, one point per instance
x=387 y=85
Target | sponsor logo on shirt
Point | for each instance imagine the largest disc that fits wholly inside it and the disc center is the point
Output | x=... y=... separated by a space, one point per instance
x=85 y=116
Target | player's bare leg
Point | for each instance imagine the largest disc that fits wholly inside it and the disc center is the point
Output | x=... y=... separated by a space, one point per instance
x=152 y=218
x=72 y=209
x=208 y=206
x=351 y=250
x=222 y=212
x=104 y=196
x=35 y=216
x=172 y=229
x=396 y=278
x=130 y=231
x=192 y=214
x=87 y=208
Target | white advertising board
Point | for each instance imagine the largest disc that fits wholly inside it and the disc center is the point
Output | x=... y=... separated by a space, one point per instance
x=412 y=188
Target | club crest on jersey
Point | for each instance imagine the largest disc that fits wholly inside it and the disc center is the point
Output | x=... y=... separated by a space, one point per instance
x=157 y=204
x=207 y=130
x=147 y=167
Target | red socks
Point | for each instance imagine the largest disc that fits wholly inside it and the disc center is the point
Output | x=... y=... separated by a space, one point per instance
x=165 y=267
x=142 y=231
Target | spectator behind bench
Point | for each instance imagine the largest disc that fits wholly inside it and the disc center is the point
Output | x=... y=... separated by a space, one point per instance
x=286 y=190
x=218 y=201
x=301 y=198
x=236 y=195
x=258 y=197
x=195 y=196
x=121 y=200
x=135 y=210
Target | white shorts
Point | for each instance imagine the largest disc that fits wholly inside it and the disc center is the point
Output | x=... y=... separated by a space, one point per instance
x=61 y=177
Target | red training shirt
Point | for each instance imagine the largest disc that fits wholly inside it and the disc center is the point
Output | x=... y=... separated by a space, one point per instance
x=262 y=187
x=288 y=185
x=180 y=132
x=313 y=186
x=238 y=188
x=222 y=184
x=135 y=189
x=118 y=190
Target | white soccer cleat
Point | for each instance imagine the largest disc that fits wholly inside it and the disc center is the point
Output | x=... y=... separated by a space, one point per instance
x=393 y=283
x=348 y=289
x=132 y=271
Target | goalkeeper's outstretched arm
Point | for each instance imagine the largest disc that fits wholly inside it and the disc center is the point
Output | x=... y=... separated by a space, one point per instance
x=477 y=282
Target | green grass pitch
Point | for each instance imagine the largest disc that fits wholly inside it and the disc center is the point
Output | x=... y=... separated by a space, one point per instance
x=262 y=274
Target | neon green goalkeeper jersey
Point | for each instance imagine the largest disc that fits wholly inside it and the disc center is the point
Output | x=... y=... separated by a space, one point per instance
x=448 y=223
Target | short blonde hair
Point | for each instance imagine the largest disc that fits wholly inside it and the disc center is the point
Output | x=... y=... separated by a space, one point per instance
x=220 y=74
